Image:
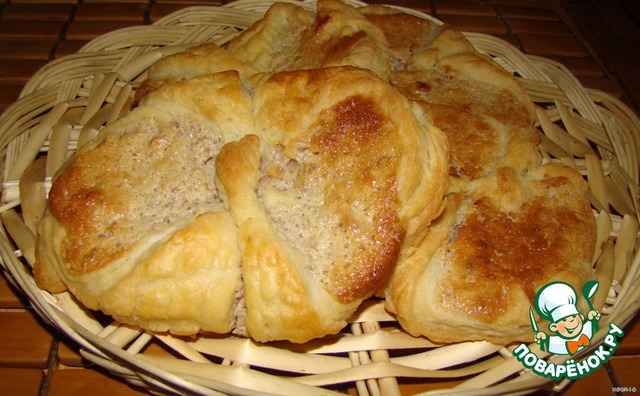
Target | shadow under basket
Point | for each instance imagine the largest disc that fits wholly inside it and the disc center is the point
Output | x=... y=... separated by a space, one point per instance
x=70 y=99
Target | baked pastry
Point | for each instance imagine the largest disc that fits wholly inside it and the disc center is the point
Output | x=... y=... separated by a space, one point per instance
x=415 y=43
x=477 y=272
x=287 y=38
x=290 y=38
x=196 y=61
x=475 y=112
x=269 y=187
x=271 y=212
x=510 y=224
x=127 y=233
x=346 y=168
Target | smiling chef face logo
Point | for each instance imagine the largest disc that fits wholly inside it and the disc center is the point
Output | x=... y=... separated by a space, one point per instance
x=556 y=302
x=570 y=333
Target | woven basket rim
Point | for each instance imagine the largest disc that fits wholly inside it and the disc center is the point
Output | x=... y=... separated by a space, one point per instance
x=75 y=82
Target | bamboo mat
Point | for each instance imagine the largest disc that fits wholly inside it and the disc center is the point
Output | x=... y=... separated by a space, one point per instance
x=598 y=41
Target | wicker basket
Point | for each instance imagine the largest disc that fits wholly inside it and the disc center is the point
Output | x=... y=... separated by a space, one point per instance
x=69 y=100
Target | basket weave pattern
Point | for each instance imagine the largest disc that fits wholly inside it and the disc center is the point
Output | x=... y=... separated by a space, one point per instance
x=69 y=100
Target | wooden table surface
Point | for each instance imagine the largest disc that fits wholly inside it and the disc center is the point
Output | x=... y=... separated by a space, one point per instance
x=597 y=40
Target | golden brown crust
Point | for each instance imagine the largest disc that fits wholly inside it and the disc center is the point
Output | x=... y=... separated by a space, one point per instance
x=312 y=192
x=357 y=126
x=476 y=104
x=483 y=261
x=266 y=44
x=510 y=225
x=100 y=197
x=405 y=33
x=533 y=239
x=116 y=235
x=289 y=38
x=277 y=299
x=448 y=85
x=415 y=43
x=200 y=60
x=338 y=160
x=317 y=150
x=200 y=260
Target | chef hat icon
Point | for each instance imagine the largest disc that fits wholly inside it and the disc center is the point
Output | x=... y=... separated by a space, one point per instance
x=556 y=301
